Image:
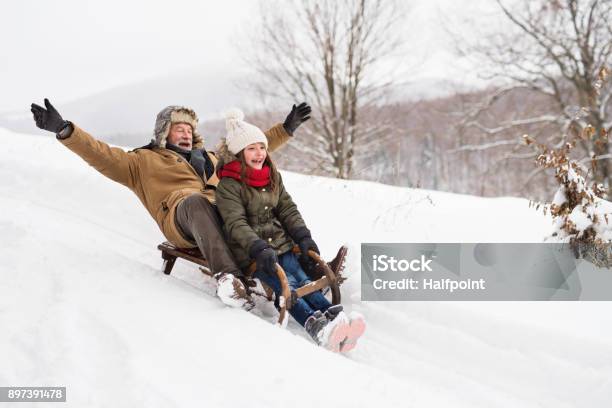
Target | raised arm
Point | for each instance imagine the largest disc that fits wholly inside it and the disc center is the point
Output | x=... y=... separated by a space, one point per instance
x=279 y=134
x=113 y=162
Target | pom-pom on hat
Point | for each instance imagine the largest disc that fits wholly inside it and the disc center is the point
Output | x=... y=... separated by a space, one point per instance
x=240 y=134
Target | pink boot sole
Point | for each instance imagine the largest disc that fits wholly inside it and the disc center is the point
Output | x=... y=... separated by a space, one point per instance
x=357 y=327
x=337 y=336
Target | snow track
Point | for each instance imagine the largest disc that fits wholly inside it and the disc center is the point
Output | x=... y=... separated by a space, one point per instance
x=84 y=305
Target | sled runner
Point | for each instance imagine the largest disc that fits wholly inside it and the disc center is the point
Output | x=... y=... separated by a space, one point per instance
x=324 y=275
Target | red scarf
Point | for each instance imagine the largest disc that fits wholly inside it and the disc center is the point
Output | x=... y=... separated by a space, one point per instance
x=255 y=177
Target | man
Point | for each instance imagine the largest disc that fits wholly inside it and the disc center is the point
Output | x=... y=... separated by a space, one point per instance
x=174 y=177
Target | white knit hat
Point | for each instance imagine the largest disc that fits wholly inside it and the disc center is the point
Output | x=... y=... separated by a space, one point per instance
x=241 y=134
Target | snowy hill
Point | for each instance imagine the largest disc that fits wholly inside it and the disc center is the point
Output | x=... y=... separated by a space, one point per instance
x=84 y=305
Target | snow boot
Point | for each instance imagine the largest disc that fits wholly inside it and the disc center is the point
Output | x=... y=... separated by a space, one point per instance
x=314 y=324
x=337 y=264
x=315 y=272
x=333 y=311
x=328 y=334
x=357 y=327
x=232 y=291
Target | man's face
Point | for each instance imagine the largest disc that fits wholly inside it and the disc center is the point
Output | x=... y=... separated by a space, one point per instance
x=181 y=135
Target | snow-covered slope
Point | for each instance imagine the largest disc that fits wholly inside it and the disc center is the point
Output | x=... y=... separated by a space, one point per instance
x=84 y=305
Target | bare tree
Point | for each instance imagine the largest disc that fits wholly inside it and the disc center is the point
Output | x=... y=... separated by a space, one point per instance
x=561 y=51
x=334 y=55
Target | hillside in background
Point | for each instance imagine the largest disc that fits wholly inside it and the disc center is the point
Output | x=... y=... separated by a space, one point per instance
x=428 y=144
x=126 y=115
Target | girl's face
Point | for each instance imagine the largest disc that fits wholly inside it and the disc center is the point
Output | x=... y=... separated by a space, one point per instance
x=255 y=154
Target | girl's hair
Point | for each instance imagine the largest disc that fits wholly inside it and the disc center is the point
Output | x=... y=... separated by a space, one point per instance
x=267 y=161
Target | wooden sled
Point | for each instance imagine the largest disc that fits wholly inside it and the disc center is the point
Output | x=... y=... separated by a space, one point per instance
x=287 y=298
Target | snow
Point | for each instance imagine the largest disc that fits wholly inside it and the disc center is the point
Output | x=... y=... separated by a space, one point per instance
x=602 y=209
x=573 y=176
x=559 y=197
x=83 y=304
x=580 y=218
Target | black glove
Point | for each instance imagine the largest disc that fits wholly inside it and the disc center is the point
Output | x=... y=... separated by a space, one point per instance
x=304 y=240
x=48 y=119
x=308 y=264
x=306 y=244
x=296 y=117
x=264 y=256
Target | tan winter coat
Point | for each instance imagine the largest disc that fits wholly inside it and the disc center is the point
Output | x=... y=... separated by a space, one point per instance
x=160 y=177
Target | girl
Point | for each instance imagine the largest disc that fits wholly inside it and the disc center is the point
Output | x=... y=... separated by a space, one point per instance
x=262 y=224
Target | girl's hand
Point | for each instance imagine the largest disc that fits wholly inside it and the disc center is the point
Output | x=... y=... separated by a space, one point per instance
x=265 y=257
x=266 y=261
x=305 y=245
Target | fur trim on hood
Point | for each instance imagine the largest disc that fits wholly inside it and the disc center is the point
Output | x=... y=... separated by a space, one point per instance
x=223 y=154
x=176 y=114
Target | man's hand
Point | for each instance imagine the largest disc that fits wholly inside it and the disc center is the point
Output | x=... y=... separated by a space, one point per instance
x=48 y=119
x=298 y=115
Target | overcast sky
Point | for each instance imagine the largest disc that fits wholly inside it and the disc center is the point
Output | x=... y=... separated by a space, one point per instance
x=73 y=48
x=68 y=49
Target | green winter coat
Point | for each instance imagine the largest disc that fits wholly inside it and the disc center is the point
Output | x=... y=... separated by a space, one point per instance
x=252 y=213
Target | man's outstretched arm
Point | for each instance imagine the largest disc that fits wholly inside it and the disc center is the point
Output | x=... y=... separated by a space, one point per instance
x=279 y=135
x=112 y=162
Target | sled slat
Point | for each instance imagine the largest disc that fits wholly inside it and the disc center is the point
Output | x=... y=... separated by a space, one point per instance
x=312 y=287
x=183 y=254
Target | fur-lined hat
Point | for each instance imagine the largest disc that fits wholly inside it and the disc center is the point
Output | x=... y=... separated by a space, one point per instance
x=176 y=114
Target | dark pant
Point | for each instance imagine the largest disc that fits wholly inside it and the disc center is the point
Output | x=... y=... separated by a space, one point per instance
x=198 y=220
x=296 y=276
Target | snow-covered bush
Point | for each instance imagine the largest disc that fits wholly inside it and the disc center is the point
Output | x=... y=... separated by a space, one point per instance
x=581 y=216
